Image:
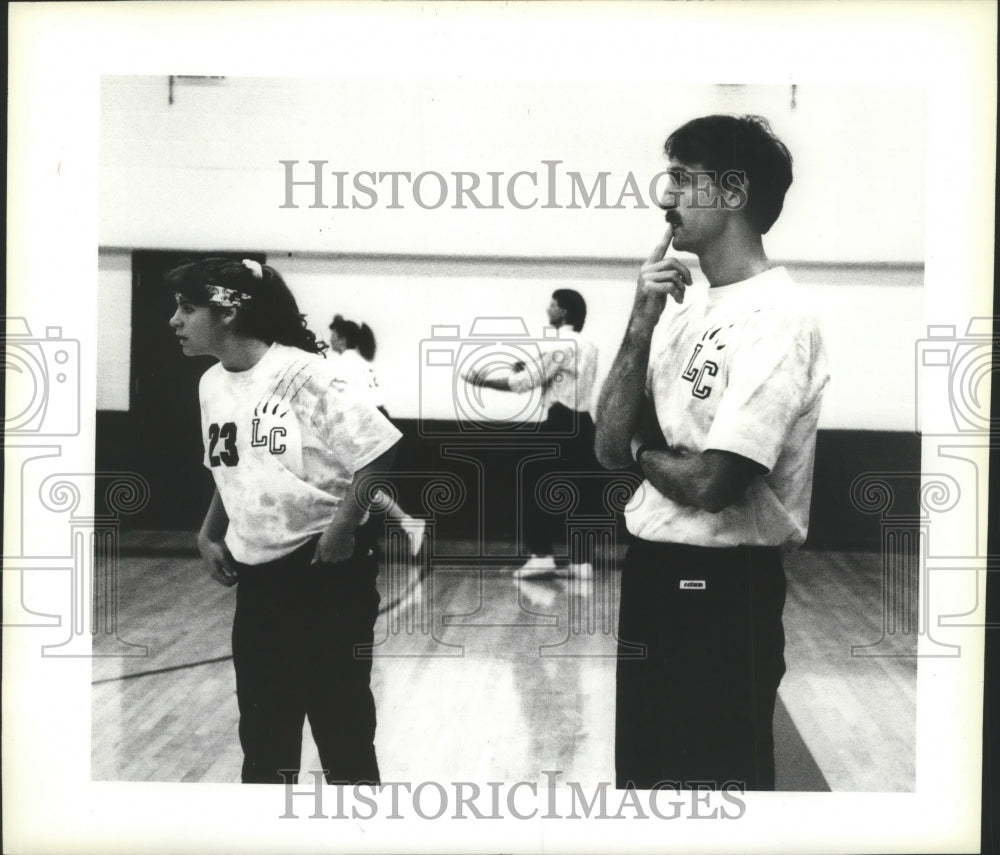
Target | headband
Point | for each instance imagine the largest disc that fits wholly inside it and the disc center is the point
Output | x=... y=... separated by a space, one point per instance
x=232 y=297
x=226 y=297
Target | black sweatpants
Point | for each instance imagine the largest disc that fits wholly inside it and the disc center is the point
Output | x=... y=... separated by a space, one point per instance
x=294 y=638
x=698 y=707
x=574 y=431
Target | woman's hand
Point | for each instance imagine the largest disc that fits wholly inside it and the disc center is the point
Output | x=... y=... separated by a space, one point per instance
x=218 y=560
x=336 y=544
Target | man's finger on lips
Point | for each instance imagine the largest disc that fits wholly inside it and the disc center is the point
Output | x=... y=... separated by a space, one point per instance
x=661 y=248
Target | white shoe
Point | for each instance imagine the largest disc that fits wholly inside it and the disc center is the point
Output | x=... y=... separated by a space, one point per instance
x=540 y=594
x=414 y=529
x=537 y=565
x=581 y=571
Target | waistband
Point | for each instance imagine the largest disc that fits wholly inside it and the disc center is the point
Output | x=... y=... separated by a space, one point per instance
x=678 y=555
x=300 y=561
x=695 y=549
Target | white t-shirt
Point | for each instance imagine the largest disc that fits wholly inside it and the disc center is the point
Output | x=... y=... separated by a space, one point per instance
x=355 y=369
x=739 y=368
x=283 y=441
x=565 y=371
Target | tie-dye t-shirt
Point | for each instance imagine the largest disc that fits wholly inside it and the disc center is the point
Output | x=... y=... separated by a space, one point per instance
x=283 y=441
x=739 y=368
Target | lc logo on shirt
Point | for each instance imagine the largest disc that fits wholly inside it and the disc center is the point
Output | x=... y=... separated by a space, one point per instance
x=222 y=449
x=270 y=439
x=696 y=374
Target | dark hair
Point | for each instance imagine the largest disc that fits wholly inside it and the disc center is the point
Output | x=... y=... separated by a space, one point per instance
x=744 y=144
x=359 y=338
x=574 y=304
x=270 y=314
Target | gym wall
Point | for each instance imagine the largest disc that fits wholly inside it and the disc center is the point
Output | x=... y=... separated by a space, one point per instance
x=204 y=173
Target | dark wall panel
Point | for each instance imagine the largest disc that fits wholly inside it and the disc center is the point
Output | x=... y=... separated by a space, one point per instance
x=469 y=482
x=843 y=456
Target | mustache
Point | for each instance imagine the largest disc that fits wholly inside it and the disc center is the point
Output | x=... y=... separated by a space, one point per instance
x=673 y=217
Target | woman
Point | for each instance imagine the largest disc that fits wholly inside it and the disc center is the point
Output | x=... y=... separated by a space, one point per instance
x=356 y=345
x=289 y=448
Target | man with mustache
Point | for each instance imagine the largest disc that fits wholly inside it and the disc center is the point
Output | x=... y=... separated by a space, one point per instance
x=715 y=394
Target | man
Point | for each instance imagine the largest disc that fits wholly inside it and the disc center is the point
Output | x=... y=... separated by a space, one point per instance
x=716 y=397
x=565 y=373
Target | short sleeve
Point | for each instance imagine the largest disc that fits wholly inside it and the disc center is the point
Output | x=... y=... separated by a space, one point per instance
x=206 y=390
x=552 y=361
x=771 y=383
x=351 y=427
x=525 y=379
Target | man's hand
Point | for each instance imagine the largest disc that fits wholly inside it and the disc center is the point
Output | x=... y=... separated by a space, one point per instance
x=218 y=561
x=618 y=407
x=336 y=544
x=490 y=377
x=660 y=278
x=710 y=480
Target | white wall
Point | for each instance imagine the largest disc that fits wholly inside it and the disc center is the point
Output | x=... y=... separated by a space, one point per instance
x=872 y=319
x=203 y=173
x=114 y=319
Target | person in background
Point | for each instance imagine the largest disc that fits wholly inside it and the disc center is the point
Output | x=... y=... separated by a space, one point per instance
x=715 y=394
x=355 y=344
x=289 y=448
x=565 y=372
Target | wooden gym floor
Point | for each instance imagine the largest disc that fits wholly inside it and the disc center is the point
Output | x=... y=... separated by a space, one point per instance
x=481 y=678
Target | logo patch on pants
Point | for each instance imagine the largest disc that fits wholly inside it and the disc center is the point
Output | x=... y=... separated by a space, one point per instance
x=692 y=584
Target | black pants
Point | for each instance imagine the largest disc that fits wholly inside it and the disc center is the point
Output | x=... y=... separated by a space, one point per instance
x=294 y=638
x=698 y=707
x=574 y=432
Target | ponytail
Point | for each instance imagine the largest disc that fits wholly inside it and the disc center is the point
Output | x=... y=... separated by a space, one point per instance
x=359 y=338
x=366 y=342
